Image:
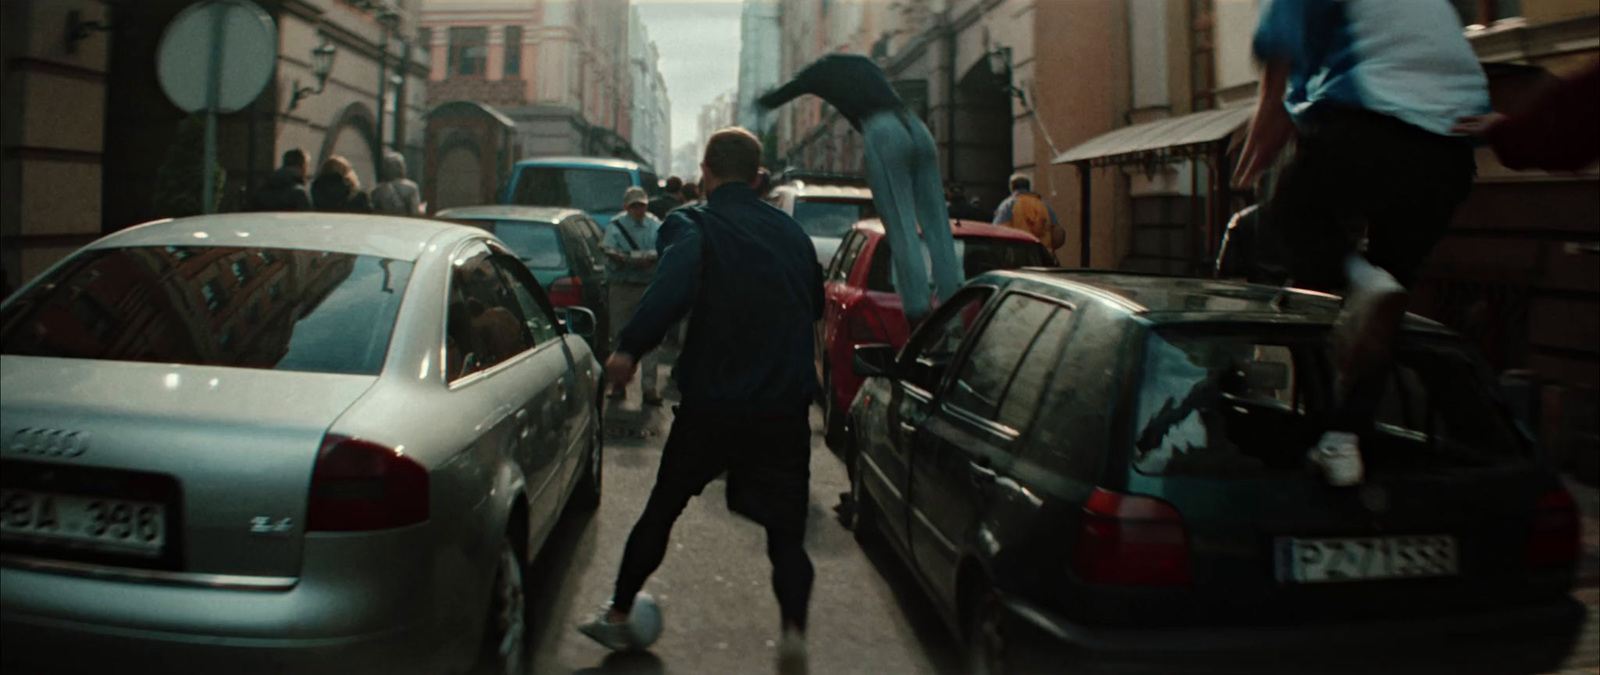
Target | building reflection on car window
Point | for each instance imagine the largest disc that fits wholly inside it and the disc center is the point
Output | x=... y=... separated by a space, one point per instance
x=281 y=309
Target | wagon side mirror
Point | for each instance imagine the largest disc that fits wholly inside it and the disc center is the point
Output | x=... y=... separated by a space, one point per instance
x=873 y=361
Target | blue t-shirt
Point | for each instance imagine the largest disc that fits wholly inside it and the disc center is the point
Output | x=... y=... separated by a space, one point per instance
x=1406 y=59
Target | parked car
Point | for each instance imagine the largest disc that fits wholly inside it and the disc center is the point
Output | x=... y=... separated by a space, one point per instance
x=591 y=184
x=1104 y=470
x=825 y=206
x=562 y=249
x=863 y=306
x=285 y=443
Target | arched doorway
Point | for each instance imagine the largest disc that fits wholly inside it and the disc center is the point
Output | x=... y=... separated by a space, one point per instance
x=352 y=136
x=459 y=181
x=982 y=131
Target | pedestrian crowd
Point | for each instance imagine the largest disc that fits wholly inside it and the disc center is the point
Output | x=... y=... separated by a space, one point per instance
x=337 y=187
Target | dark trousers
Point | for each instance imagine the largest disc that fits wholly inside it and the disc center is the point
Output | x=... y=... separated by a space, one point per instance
x=768 y=462
x=1355 y=169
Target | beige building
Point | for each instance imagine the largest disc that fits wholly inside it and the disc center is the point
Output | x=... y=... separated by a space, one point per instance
x=558 y=68
x=998 y=82
x=720 y=113
x=86 y=125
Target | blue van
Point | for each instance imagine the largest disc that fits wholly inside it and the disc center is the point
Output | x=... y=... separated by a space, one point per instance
x=593 y=184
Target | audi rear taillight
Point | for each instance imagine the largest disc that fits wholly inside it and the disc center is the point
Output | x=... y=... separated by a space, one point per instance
x=567 y=292
x=1554 y=540
x=359 y=486
x=1129 y=540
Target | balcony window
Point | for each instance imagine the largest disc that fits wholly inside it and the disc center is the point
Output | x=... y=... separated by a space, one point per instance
x=469 y=51
x=513 y=51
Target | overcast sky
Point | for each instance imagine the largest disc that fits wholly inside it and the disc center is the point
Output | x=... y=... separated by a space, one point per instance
x=699 y=45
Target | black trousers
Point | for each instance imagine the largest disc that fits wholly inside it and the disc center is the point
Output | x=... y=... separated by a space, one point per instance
x=1354 y=169
x=768 y=462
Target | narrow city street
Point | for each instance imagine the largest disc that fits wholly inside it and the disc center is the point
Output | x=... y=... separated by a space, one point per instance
x=867 y=614
x=720 y=615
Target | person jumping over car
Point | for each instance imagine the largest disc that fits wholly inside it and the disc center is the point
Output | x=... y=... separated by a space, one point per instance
x=1369 y=90
x=902 y=167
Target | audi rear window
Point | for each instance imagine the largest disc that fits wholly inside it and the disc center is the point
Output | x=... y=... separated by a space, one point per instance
x=283 y=309
x=1242 y=404
x=538 y=245
x=831 y=217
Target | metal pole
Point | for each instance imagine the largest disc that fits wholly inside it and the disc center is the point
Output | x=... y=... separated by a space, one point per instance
x=383 y=90
x=1084 y=222
x=208 y=181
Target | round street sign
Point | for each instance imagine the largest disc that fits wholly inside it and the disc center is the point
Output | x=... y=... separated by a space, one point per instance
x=186 y=61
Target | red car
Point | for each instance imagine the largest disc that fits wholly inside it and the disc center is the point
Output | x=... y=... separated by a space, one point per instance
x=864 y=308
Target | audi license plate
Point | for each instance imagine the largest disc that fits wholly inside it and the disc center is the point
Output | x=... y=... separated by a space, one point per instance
x=1316 y=561
x=98 y=523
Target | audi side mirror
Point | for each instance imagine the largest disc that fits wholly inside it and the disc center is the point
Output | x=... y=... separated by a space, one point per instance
x=873 y=361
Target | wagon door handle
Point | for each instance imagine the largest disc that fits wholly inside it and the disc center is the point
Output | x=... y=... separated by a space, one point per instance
x=982 y=475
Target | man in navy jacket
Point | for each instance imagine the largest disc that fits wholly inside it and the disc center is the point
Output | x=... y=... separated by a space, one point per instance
x=746 y=274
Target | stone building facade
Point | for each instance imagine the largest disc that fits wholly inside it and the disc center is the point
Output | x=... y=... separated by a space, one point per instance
x=86 y=125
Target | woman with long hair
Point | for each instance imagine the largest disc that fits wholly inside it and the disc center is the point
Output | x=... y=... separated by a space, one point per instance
x=338 y=188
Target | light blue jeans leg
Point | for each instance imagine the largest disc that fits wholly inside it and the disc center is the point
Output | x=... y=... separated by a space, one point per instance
x=889 y=154
x=931 y=210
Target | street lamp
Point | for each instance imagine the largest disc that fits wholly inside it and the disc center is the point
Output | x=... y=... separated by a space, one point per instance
x=321 y=67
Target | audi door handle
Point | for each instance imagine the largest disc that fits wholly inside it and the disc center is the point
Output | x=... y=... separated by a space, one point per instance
x=908 y=427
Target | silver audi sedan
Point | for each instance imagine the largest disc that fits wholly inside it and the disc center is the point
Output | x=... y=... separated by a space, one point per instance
x=286 y=443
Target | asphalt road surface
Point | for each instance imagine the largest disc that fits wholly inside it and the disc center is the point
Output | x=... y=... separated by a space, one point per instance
x=720 y=616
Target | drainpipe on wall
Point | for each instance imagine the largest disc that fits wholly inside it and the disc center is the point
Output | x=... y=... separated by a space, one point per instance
x=950 y=91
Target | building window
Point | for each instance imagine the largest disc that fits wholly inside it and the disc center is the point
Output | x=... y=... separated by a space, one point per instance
x=513 y=51
x=469 y=51
x=425 y=37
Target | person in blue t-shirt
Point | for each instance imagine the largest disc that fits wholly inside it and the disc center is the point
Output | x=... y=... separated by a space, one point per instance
x=1369 y=90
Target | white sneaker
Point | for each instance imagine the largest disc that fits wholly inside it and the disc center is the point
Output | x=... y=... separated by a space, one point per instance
x=640 y=631
x=792 y=653
x=1338 y=455
x=1375 y=304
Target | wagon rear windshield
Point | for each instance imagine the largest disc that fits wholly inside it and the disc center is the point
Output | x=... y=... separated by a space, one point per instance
x=283 y=309
x=1252 y=403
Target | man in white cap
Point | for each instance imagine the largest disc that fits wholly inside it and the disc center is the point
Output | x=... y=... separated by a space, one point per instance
x=630 y=245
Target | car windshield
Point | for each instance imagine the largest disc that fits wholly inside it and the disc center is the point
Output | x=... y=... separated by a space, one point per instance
x=311 y=311
x=593 y=190
x=1240 y=404
x=538 y=245
x=831 y=217
x=978 y=255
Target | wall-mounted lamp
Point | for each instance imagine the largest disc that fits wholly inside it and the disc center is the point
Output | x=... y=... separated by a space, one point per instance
x=1000 y=66
x=321 y=67
x=78 y=30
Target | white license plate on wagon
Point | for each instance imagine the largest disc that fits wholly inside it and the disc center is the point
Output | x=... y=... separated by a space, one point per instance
x=108 y=524
x=1346 y=559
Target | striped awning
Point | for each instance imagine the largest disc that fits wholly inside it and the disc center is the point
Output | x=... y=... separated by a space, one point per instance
x=1167 y=140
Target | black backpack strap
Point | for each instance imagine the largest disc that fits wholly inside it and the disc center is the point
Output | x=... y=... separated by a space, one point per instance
x=625 y=235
